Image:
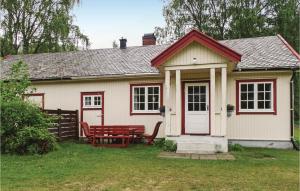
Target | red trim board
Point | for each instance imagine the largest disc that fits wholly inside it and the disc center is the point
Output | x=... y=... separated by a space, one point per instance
x=201 y=38
x=237 y=97
x=183 y=107
x=145 y=84
x=294 y=52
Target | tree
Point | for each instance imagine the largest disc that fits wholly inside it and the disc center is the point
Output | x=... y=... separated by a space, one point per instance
x=228 y=19
x=24 y=127
x=35 y=26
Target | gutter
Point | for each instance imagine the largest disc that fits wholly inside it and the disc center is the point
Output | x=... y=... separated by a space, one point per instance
x=295 y=145
x=104 y=77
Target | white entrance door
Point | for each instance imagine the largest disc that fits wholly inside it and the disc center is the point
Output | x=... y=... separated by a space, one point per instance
x=92 y=107
x=196 y=108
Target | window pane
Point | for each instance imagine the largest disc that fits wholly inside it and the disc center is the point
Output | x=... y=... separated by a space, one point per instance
x=260 y=105
x=142 y=98
x=150 y=90
x=203 y=89
x=196 y=98
x=251 y=105
x=260 y=96
x=250 y=96
x=268 y=96
x=142 y=106
x=190 y=107
x=142 y=90
x=196 y=89
x=136 y=106
x=97 y=100
x=190 y=90
x=243 y=87
x=268 y=87
x=203 y=107
x=88 y=101
x=136 y=91
x=156 y=107
x=196 y=107
x=136 y=98
x=244 y=105
x=268 y=104
x=156 y=98
x=250 y=87
x=260 y=87
x=190 y=98
x=243 y=96
x=203 y=98
x=150 y=106
x=156 y=90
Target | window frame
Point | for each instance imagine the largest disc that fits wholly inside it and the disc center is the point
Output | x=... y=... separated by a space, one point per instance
x=273 y=109
x=146 y=111
x=42 y=95
x=92 y=102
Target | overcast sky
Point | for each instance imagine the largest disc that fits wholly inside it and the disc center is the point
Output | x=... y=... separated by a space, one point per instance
x=104 y=21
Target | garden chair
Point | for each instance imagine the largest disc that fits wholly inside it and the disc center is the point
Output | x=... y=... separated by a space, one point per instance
x=86 y=130
x=150 y=138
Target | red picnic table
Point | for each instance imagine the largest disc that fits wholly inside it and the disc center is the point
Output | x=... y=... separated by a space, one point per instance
x=116 y=135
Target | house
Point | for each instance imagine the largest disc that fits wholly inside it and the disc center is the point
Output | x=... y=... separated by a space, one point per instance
x=196 y=79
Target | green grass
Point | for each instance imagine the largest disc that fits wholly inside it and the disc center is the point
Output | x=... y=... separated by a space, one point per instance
x=82 y=167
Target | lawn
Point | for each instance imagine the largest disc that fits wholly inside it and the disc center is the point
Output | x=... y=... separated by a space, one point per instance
x=82 y=167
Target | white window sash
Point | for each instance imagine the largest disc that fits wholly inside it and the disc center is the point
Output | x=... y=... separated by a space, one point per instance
x=92 y=101
x=255 y=90
x=146 y=110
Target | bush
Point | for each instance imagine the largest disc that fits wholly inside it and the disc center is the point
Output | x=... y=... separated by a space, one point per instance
x=236 y=147
x=24 y=129
x=159 y=142
x=170 y=146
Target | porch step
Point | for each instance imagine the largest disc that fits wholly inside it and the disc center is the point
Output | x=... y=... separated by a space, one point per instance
x=201 y=144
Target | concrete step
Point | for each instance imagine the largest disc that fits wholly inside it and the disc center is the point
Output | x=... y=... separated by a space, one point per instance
x=201 y=144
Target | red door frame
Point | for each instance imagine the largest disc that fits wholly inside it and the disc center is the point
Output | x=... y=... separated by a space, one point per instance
x=83 y=109
x=183 y=107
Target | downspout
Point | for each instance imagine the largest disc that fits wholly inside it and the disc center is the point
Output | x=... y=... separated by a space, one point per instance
x=295 y=145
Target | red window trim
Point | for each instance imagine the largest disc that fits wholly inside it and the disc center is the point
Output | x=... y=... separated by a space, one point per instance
x=238 y=112
x=37 y=94
x=146 y=84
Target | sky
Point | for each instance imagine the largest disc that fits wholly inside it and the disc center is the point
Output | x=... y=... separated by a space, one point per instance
x=104 y=21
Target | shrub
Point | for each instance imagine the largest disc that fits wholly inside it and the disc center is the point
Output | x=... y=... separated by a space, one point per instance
x=159 y=142
x=236 y=147
x=24 y=129
x=170 y=146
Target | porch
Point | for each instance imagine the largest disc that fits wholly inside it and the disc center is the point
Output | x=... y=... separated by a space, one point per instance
x=195 y=107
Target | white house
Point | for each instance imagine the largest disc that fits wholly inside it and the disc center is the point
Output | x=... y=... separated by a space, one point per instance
x=196 y=79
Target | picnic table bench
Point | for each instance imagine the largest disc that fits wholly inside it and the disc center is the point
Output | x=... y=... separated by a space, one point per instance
x=116 y=135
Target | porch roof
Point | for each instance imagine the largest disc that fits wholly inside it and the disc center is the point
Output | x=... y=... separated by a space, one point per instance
x=270 y=52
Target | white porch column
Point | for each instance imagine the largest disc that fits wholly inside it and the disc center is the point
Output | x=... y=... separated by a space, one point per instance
x=178 y=102
x=223 y=102
x=212 y=101
x=167 y=104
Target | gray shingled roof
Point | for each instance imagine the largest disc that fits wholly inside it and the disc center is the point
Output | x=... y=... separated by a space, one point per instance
x=257 y=53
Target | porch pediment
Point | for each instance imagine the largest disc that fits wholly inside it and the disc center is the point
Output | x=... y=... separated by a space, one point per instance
x=196 y=48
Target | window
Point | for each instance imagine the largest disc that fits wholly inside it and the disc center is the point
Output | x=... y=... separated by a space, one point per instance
x=256 y=96
x=92 y=101
x=35 y=98
x=197 y=98
x=145 y=98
